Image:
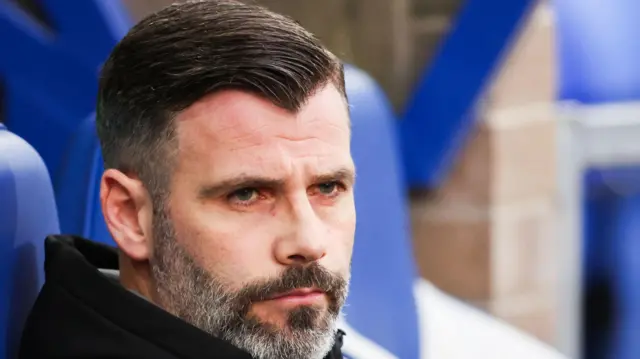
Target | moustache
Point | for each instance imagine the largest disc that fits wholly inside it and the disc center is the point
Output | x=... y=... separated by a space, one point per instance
x=293 y=278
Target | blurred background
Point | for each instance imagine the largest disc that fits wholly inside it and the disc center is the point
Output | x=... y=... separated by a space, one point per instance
x=518 y=135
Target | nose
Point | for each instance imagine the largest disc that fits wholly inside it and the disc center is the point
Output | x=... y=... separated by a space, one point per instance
x=304 y=239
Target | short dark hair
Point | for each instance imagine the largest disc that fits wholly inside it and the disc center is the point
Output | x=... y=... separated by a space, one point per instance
x=176 y=56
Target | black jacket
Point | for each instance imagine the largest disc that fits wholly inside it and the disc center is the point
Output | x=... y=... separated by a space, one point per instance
x=80 y=313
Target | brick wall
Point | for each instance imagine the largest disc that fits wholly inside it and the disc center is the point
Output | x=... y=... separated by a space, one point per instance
x=487 y=235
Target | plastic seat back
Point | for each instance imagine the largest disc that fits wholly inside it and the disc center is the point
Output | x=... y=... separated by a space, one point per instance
x=77 y=186
x=27 y=215
x=381 y=303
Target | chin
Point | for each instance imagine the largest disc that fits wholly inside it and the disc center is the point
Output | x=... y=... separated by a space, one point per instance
x=296 y=319
x=278 y=321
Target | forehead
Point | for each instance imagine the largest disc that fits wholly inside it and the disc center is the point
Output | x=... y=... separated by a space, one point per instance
x=234 y=131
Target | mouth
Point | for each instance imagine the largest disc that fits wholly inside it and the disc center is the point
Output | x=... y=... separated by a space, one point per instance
x=301 y=296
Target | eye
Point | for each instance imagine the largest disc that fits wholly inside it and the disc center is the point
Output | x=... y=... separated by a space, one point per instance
x=330 y=189
x=244 y=196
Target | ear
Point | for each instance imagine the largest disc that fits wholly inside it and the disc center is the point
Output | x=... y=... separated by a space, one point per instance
x=128 y=211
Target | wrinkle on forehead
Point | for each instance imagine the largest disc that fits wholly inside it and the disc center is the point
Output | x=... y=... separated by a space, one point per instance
x=233 y=116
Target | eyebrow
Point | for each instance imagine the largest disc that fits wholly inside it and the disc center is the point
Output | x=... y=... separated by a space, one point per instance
x=236 y=183
x=345 y=175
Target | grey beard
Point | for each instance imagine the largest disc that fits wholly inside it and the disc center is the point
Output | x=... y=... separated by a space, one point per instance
x=196 y=296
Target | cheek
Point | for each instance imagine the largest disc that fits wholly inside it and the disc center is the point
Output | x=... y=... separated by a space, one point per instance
x=341 y=223
x=234 y=254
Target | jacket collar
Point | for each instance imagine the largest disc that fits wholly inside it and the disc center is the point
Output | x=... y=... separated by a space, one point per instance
x=73 y=262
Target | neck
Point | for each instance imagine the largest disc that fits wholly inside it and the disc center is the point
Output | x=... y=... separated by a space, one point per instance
x=136 y=277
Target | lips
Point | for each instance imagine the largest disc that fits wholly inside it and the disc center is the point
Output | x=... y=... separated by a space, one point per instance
x=302 y=292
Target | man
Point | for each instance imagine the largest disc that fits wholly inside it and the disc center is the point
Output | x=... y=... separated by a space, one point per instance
x=228 y=188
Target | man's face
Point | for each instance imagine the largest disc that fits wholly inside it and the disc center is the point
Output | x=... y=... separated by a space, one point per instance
x=256 y=238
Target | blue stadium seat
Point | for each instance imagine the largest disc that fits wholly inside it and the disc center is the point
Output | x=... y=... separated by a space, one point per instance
x=27 y=216
x=381 y=304
x=77 y=186
x=598 y=61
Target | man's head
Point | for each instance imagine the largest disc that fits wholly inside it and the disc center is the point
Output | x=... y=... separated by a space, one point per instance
x=229 y=181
